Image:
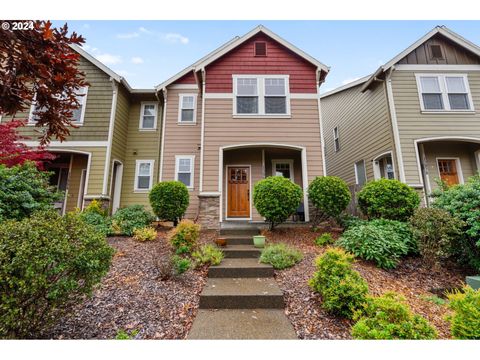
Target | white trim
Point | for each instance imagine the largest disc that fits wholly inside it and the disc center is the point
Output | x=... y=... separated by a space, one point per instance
x=142 y=114
x=180 y=108
x=202 y=131
x=356 y=171
x=69 y=143
x=346 y=86
x=442 y=82
x=264 y=170
x=118 y=185
x=209 y=193
x=435 y=67
x=249 y=193
x=137 y=167
x=284 y=161
x=220 y=180
x=218 y=95
x=297 y=96
x=184 y=86
x=458 y=164
x=306 y=207
x=164 y=126
x=192 y=169
x=376 y=168
x=83 y=178
x=312 y=96
x=111 y=125
x=322 y=136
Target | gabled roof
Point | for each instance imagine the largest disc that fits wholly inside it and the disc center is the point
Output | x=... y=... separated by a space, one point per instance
x=232 y=44
x=346 y=86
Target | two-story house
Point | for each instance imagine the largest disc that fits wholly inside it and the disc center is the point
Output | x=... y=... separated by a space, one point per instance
x=414 y=119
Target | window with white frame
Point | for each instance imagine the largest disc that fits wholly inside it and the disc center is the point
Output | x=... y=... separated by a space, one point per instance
x=184 y=165
x=283 y=168
x=336 y=140
x=187 y=109
x=261 y=95
x=440 y=92
x=148 y=116
x=144 y=175
x=360 y=173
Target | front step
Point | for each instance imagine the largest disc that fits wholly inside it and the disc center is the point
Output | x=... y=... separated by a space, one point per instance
x=239 y=232
x=239 y=240
x=241 y=251
x=240 y=268
x=241 y=293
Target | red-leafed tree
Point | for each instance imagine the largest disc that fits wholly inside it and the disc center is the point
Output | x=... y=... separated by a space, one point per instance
x=14 y=152
x=40 y=65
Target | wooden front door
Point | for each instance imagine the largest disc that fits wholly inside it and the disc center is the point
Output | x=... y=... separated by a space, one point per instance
x=448 y=171
x=238 y=201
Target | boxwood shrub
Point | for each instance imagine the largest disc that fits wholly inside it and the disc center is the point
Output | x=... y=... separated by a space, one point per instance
x=184 y=237
x=169 y=200
x=465 y=320
x=330 y=195
x=127 y=219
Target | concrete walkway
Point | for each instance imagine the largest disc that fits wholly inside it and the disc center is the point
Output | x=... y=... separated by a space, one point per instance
x=241 y=299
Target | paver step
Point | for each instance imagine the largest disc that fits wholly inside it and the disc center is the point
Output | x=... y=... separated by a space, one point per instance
x=241 y=232
x=241 y=251
x=241 y=293
x=238 y=268
x=238 y=239
x=263 y=324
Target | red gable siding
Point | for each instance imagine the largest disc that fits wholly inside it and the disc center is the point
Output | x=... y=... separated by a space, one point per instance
x=186 y=79
x=279 y=60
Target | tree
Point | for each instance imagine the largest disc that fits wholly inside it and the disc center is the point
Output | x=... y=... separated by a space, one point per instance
x=42 y=67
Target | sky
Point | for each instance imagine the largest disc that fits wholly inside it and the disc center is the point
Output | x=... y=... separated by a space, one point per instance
x=147 y=53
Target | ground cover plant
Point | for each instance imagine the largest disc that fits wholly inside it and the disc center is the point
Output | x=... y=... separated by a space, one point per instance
x=145 y=234
x=280 y=256
x=324 y=239
x=208 y=255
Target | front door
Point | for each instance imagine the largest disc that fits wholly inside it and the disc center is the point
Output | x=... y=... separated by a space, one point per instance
x=448 y=171
x=238 y=200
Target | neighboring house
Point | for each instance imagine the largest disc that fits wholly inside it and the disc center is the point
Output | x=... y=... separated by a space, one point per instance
x=414 y=119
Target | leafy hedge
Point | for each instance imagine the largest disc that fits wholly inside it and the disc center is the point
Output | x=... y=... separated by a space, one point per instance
x=330 y=195
x=169 y=200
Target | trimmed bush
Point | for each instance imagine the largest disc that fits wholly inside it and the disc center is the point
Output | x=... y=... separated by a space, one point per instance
x=324 y=239
x=342 y=289
x=388 y=317
x=101 y=223
x=96 y=207
x=465 y=321
x=25 y=189
x=330 y=195
x=280 y=256
x=208 y=255
x=388 y=199
x=381 y=241
x=435 y=231
x=180 y=264
x=127 y=219
x=47 y=264
x=463 y=202
x=184 y=237
x=169 y=200
x=145 y=234
x=276 y=198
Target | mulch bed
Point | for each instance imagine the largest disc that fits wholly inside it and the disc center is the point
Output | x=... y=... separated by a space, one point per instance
x=411 y=278
x=132 y=298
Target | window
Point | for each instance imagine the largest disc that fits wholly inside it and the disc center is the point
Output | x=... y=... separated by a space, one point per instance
x=336 y=140
x=260 y=48
x=187 y=113
x=436 y=52
x=360 y=174
x=143 y=175
x=283 y=168
x=148 y=116
x=263 y=95
x=184 y=169
x=444 y=92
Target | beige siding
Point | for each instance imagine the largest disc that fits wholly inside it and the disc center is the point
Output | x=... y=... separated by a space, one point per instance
x=414 y=125
x=364 y=128
x=79 y=163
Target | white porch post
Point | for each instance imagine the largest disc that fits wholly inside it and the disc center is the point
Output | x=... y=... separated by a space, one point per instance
x=305 y=184
x=220 y=180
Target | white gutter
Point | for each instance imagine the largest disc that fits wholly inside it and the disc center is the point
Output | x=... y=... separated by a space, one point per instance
x=108 y=154
x=160 y=176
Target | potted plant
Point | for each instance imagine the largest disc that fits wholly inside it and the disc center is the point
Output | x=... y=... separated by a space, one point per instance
x=221 y=242
x=259 y=241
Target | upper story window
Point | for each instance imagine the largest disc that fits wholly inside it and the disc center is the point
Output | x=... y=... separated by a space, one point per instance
x=336 y=139
x=187 y=109
x=440 y=92
x=148 y=116
x=260 y=48
x=184 y=169
x=261 y=95
x=143 y=175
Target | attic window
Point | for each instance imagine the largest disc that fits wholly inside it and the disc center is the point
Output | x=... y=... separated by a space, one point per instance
x=260 y=48
x=436 y=52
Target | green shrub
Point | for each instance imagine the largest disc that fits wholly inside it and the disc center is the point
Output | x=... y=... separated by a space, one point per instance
x=25 y=189
x=100 y=223
x=276 y=198
x=465 y=321
x=169 y=200
x=342 y=289
x=47 y=264
x=132 y=217
x=347 y=221
x=96 y=207
x=435 y=231
x=463 y=202
x=145 y=234
x=388 y=317
x=280 y=256
x=208 y=254
x=324 y=239
x=388 y=199
x=330 y=195
x=180 y=264
x=382 y=241
x=184 y=237
x=124 y=335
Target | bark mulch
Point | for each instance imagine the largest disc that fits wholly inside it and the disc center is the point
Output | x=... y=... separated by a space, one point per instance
x=412 y=278
x=132 y=298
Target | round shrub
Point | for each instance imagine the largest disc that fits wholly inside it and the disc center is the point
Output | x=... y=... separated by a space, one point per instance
x=388 y=199
x=342 y=289
x=184 y=236
x=280 y=256
x=47 y=264
x=276 y=198
x=127 y=219
x=388 y=317
x=382 y=241
x=169 y=200
x=330 y=195
x=465 y=320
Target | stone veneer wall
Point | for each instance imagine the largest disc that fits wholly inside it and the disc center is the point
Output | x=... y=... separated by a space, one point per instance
x=209 y=212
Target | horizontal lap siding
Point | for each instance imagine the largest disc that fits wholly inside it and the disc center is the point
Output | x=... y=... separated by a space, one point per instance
x=414 y=125
x=364 y=130
x=79 y=162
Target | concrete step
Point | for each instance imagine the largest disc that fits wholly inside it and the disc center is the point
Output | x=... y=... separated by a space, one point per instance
x=261 y=324
x=240 y=268
x=241 y=251
x=240 y=232
x=239 y=240
x=241 y=293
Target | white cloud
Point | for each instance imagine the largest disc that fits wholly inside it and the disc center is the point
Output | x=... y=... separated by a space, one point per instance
x=128 y=35
x=348 y=81
x=144 y=30
x=137 y=60
x=108 y=59
x=175 y=38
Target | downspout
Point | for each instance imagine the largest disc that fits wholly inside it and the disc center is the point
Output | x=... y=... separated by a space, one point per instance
x=322 y=139
x=108 y=155
x=202 y=134
x=162 y=145
x=159 y=135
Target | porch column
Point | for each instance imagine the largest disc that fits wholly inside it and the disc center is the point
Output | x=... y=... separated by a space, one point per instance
x=306 y=205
